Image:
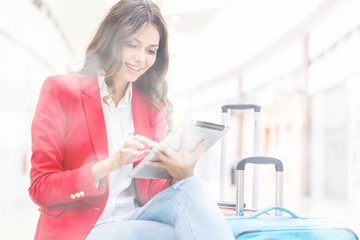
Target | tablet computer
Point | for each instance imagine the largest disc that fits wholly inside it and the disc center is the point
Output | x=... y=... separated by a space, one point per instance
x=195 y=131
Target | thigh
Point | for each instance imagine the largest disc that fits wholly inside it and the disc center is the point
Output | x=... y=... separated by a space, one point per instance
x=132 y=230
x=190 y=209
x=188 y=197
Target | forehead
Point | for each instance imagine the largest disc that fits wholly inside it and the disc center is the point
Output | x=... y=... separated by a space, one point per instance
x=148 y=35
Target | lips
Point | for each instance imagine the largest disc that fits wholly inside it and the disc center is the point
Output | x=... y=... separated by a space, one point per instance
x=133 y=68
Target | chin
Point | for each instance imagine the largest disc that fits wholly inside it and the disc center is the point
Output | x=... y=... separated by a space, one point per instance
x=132 y=80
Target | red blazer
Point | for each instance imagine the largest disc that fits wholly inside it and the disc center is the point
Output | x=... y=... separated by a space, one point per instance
x=68 y=137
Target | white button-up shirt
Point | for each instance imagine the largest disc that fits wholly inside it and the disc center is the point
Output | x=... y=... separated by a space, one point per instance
x=119 y=126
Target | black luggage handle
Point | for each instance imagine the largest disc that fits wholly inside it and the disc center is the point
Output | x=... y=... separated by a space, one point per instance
x=225 y=108
x=261 y=161
x=240 y=181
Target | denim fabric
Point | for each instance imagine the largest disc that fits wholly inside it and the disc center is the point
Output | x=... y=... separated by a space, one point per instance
x=183 y=211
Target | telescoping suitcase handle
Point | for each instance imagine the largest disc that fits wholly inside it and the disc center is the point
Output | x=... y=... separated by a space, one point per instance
x=240 y=184
x=223 y=173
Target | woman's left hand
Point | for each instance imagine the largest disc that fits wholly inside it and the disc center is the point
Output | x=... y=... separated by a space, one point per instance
x=179 y=164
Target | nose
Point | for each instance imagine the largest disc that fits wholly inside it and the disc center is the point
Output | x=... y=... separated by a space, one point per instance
x=140 y=56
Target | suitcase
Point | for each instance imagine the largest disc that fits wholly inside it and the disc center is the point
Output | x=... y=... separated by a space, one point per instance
x=255 y=226
x=263 y=223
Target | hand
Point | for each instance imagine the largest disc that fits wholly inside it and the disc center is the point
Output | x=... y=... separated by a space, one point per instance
x=179 y=164
x=135 y=148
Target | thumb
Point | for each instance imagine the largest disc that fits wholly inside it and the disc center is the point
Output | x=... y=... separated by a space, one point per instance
x=200 y=147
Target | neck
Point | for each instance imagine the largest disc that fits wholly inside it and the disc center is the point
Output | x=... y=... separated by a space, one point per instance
x=120 y=87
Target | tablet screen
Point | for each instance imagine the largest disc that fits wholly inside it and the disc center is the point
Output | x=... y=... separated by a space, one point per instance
x=195 y=132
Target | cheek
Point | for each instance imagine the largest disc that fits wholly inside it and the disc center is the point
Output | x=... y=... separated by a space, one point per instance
x=125 y=53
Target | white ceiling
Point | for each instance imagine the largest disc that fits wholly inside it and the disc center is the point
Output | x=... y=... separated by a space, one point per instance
x=207 y=37
x=78 y=19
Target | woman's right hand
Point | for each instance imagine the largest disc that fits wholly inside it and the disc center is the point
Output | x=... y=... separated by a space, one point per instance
x=135 y=148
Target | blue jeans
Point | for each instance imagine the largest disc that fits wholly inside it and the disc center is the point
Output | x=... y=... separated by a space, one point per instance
x=182 y=211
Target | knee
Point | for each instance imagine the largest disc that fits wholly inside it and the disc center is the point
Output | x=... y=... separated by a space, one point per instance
x=189 y=183
x=193 y=189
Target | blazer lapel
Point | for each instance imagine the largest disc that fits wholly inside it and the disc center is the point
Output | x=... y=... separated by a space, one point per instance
x=95 y=117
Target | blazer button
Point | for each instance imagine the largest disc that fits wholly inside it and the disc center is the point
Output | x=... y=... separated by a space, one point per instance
x=72 y=196
x=81 y=194
x=77 y=195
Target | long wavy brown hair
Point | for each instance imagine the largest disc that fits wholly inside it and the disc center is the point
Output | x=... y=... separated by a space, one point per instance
x=125 y=19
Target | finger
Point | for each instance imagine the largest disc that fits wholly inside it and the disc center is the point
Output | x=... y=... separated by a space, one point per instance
x=156 y=164
x=161 y=155
x=166 y=149
x=146 y=141
x=200 y=147
x=141 y=154
x=132 y=155
x=133 y=143
x=139 y=141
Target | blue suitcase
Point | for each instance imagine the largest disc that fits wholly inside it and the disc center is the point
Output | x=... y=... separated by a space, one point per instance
x=264 y=224
x=291 y=227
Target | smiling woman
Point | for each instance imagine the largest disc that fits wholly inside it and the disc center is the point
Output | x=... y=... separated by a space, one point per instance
x=91 y=127
x=121 y=31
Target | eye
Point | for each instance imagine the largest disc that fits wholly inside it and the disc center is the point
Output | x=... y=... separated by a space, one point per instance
x=152 y=51
x=131 y=45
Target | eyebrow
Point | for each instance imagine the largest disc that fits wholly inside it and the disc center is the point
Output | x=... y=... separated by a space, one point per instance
x=151 y=45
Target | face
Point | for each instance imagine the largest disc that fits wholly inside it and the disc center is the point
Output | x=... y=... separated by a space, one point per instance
x=139 y=53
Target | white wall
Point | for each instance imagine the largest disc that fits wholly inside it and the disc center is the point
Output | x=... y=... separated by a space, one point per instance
x=31 y=49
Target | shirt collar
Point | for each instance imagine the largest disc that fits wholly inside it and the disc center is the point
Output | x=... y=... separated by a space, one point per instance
x=103 y=89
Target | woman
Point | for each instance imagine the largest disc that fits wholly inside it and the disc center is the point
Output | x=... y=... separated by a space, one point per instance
x=91 y=127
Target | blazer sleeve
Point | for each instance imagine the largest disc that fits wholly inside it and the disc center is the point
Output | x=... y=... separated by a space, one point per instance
x=50 y=183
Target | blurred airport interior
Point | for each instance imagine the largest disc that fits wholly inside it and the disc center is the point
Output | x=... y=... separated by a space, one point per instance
x=297 y=59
